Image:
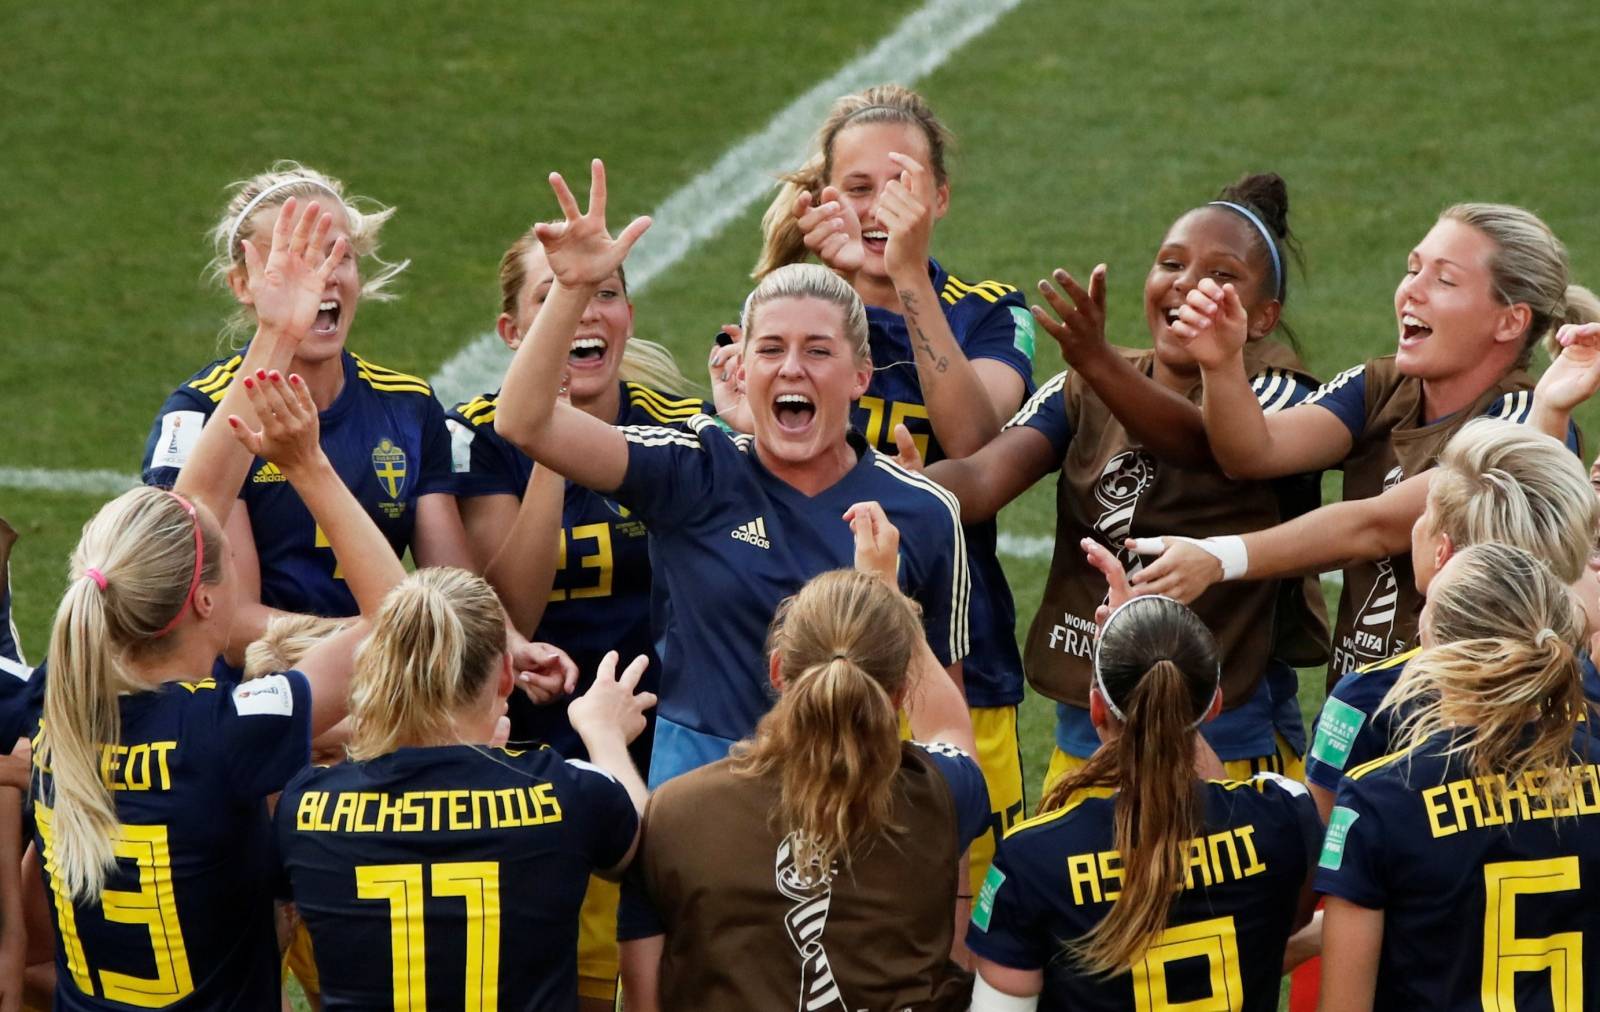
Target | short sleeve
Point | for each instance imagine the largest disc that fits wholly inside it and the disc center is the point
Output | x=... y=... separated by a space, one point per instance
x=1353 y=859
x=1345 y=715
x=1005 y=333
x=482 y=462
x=173 y=436
x=942 y=584
x=1277 y=389
x=1008 y=927
x=609 y=821
x=1346 y=396
x=263 y=731
x=21 y=700
x=967 y=787
x=1306 y=820
x=637 y=914
x=1046 y=413
x=669 y=470
x=437 y=473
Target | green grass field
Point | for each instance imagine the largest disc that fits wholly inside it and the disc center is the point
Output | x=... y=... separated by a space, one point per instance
x=1083 y=131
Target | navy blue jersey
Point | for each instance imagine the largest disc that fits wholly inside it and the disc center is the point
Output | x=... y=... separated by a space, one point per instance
x=1354 y=728
x=990 y=320
x=1488 y=898
x=729 y=541
x=1055 y=877
x=449 y=877
x=21 y=702
x=185 y=921
x=601 y=598
x=1245 y=729
x=1346 y=396
x=384 y=434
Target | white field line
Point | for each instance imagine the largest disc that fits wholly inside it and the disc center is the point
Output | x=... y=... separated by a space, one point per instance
x=700 y=209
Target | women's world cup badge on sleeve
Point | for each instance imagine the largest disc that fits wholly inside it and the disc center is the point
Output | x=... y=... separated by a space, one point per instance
x=389 y=463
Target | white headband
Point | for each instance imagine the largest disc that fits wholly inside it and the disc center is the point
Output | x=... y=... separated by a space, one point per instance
x=1099 y=677
x=244 y=215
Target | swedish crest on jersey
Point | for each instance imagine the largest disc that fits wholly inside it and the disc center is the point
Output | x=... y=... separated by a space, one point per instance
x=389 y=464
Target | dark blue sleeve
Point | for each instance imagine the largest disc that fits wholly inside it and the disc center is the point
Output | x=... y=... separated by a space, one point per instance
x=609 y=821
x=1046 y=413
x=967 y=787
x=940 y=580
x=1276 y=389
x=1009 y=924
x=1005 y=333
x=1352 y=863
x=437 y=473
x=483 y=462
x=1346 y=396
x=670 y=471
x=1308 y=823
x=262 y=731
x=173 y=435
x=19 y=714
x=1345 y=715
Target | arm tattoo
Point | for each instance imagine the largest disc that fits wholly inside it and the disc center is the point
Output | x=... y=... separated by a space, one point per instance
x=908 y=301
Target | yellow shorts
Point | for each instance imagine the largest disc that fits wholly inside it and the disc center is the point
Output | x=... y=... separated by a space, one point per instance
x=597 y=940
x=995 y=730
x=1284 y=760
x=299 y=960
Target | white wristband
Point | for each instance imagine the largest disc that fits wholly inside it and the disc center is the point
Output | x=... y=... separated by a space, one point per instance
x=1227 y=549
x=986 y=999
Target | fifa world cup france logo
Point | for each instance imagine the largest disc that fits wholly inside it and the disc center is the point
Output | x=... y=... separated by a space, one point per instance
x=1374 y=626
x=811 y=888
x=1122 y=481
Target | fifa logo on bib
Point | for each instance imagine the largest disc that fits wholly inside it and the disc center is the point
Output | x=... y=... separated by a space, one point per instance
x=753 y=533
x=1122 y=481
x=389 y=462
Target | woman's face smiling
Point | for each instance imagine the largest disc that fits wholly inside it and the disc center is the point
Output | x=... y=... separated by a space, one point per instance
x=1215 y=243
x=801 y=376
x=1445 y=306
x=862 y=168
x=595 y=357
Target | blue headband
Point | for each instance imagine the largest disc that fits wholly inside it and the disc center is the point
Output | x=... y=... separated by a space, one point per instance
x=1266 y=234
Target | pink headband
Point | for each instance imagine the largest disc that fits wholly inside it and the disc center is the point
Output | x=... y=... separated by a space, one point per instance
x=199 y=564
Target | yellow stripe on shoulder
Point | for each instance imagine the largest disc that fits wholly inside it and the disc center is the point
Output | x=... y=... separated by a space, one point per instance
x=665 y=400
x=1373 y=765
x=215 y=383
x=989 y=291
x=1077 y=799
x=380 y=378
x=479 y=411
x=1389 y=662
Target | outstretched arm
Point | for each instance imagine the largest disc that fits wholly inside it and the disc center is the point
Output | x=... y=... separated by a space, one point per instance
x=582 y=254
x=1572 y=378
x=991 y=478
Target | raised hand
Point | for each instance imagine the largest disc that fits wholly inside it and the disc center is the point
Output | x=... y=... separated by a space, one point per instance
x=1212 y=324
x=611 y=704
x=906 y=212
x=1081 y=327
x=877 y=542
x=579 y=249
x=286 y=287
x=1182 y=570
x=289 y=433
x=831 y=230
x=1118 y=592
x=1574 y=375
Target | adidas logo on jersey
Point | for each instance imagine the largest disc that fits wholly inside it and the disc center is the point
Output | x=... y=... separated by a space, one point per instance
x=753 y=533
x=268 y=472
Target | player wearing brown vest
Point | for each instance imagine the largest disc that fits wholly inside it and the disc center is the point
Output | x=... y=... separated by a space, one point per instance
x=1480 y=289
x=1127 y=435
x=818 y=865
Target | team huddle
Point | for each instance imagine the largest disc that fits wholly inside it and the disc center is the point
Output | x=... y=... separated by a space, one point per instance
x=710 y=702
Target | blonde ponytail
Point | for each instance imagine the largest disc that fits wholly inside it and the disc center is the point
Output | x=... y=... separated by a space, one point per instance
x=287 y=639
x=1157 y=664
x=1508 y=635
x=435 y=641
x=128 y=580
x=782 y=241
x=652 y=365
x=833 y=740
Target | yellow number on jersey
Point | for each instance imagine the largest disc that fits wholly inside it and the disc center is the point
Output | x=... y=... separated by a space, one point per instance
x=154 y=906
x=881 y=438
x=601 y=559
x=478 y=884
x=1505 y=954
x=323 y=542
x=1216 y=941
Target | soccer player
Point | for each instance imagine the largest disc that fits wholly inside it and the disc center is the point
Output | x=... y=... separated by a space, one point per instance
x=1163 y=889
x=384 y=431
x=149 y=804
x=1479 y=291
x=817 y=866
x=737 y=523
x=1114 y=425
x=441 y=872
x=571 y=565
x=1458 y=872
x=952 y=358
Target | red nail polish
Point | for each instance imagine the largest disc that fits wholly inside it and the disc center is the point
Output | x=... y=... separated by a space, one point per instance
x=249 y=384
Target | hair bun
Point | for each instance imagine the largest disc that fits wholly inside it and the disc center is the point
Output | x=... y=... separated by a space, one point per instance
x=1265 y=193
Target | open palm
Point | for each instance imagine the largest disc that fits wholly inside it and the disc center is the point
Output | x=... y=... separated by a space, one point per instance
x=286 y=288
